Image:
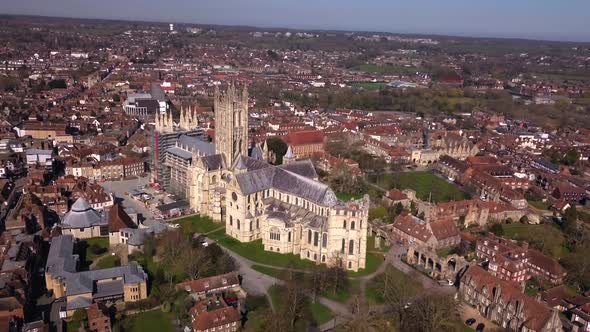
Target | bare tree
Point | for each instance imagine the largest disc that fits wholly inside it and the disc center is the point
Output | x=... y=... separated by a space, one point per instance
x=294 y=301
x=195 y=262
x=431 y=313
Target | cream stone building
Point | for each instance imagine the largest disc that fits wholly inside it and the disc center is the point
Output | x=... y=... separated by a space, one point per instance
x=284 y=206
x=81 y=289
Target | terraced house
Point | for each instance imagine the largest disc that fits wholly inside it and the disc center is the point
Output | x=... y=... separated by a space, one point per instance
x=503 y=302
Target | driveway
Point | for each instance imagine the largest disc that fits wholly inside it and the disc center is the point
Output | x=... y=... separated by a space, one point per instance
x=466 y=312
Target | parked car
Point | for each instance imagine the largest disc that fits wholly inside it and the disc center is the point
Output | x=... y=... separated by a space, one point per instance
x=470 y=321
x=480 y=327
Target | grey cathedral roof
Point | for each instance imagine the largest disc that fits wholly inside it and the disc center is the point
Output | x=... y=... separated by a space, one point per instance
x=286 y=181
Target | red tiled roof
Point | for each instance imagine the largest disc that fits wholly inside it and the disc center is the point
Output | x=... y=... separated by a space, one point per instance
x=304 y=137
x=206 y=284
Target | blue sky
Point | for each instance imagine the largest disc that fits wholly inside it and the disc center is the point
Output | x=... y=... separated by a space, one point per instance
x=537 y=19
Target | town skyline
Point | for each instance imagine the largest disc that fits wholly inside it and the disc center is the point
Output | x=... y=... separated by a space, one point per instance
x=523 y=20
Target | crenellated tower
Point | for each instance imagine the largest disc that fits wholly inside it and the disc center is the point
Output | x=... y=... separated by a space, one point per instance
x=231 y=122
x=164 y=123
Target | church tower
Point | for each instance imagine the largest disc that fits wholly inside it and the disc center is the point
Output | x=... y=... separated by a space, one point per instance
x=231 y=123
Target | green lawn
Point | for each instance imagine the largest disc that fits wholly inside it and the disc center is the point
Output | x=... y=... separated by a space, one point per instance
x=276 y=294
x=108 y=262
x=97 y=242
x=374 y=293
x=369 y=85
x=386 y=69
x=73 y=326
x=196 y=224
x=345 y=197
x=424 y=183
x=545 y=237
x=254 y=251
x=149 y=321
x=371 y=265
x=343 y=295
x=320 y=313
x=371 y=245
x=539 y=204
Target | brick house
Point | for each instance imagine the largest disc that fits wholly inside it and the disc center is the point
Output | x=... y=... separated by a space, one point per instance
x=509 y=261
x=435 y=235
x=203 y=287
x=213 y=314
x=305 y=143
x=503 y=302
x=569 y=193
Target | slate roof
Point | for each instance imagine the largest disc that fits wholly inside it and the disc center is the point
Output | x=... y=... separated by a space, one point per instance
x=61 y=264
x=180 y=153
x=194 y=143
x=301 y=167
x=81 y=215
x=286 y=181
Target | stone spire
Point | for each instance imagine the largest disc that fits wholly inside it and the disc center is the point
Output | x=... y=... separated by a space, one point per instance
x=289 y=157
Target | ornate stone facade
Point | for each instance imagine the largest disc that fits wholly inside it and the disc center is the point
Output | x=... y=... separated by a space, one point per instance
x=284 y=206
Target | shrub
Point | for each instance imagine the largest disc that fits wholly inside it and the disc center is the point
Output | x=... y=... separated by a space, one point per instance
x=97 y=249
x=166 y=306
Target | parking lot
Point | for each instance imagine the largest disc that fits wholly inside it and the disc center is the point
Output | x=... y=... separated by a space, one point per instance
x=121 y=190
x=466 y=312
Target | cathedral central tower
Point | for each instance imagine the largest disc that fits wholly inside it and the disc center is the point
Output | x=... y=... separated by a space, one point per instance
x=231 y=123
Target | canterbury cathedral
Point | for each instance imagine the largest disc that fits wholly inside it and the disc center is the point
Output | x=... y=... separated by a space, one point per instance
x=285 y=206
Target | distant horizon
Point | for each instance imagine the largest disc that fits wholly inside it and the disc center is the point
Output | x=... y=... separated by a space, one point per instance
x=454 y=18
x=301 y=29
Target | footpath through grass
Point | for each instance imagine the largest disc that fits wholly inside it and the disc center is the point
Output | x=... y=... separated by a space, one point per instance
x=374 y=290
x=197 y=224
x=424 y=183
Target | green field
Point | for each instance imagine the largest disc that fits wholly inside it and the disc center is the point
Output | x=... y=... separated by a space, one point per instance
x=386 y=69
x=548 y=238
x=149 y=321
x=369 y=85
x=341 y=296
x=539 y=204
x=254 y=251
x=196 y=224
x=424 y=183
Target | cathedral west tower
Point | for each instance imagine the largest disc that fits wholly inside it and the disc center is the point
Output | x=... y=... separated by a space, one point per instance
x=231 y=123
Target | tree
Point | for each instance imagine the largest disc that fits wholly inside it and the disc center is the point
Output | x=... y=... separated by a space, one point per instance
x=336 y=278
x=570 y=219
x=195 y=263
x=294 y=300
x=497 y=229
x=431 y=313
x=278 y=148
x=57 y=84
x=79 y=316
